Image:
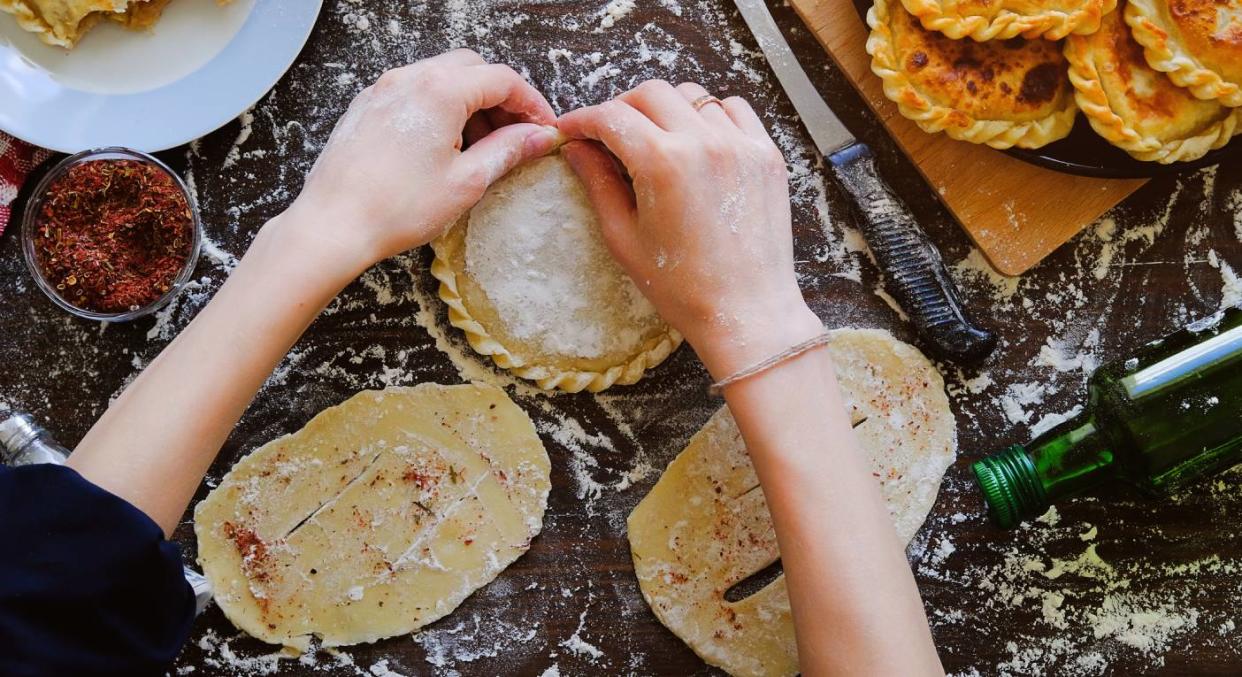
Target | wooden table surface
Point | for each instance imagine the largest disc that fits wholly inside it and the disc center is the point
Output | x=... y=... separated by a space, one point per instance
x=1111 y=584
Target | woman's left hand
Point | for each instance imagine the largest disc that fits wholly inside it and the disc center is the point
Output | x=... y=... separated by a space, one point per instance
x=394 y=175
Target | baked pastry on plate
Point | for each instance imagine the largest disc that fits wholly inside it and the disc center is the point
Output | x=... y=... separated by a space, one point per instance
x=64 y=22
x=1138 y=108
x=1197 y=42
x=526 y=275
x=1003 y=19
x=1001 y=93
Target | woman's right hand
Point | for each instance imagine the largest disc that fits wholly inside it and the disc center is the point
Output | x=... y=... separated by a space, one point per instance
x=706 y=230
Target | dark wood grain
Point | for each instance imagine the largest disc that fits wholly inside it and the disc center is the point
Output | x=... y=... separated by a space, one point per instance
x=1161 y=264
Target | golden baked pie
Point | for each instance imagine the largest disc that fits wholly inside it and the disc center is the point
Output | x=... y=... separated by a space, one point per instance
x=60 y=22
x=527 y=277
x=64 y=22
x=1138 y=108
x=1002 y=93
x=1003 y=19
x=1197 y=42
x=141 y=15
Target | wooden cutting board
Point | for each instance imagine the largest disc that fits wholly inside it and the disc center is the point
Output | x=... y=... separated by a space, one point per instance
x=1015 y=212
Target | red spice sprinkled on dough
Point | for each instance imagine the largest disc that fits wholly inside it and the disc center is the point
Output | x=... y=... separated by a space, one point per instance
x=423 y=480
x=252 y=548
x=253 y=551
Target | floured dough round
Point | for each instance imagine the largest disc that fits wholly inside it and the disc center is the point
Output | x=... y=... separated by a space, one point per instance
x=528 y=278
x=380 y=516
x=1138 y=108
x=705 y=526
x=1001 y=93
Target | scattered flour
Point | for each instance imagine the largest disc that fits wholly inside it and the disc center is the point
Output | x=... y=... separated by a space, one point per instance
x=1050 y=421
x=1090 y=600
x=1020 y=396
x=247 y=128
x=614 y=11
x=381 y=669
x=226 y=261
x=1231 y=290
x=576 y=645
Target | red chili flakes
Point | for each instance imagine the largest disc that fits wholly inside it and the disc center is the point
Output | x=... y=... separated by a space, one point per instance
x=112 y=235
x=253 y=550
x=412 y=475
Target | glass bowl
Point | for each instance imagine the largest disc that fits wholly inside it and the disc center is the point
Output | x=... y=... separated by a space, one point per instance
x=35 y=206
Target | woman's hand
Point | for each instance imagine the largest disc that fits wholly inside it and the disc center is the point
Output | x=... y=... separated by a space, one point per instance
x=393 y=174
x=705 y=232
x=706 y=235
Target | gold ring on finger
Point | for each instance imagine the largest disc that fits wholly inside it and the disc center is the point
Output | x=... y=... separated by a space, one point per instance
x=698 y=103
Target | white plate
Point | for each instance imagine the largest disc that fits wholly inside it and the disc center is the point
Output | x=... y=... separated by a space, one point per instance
x=200 y=67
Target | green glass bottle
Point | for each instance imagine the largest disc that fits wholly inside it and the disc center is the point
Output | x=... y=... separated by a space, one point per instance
x=1158 y=420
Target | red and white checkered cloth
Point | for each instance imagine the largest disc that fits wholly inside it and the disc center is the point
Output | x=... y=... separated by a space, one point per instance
x=17 y=158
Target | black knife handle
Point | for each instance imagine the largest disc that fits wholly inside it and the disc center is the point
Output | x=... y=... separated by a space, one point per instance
x=911 y=264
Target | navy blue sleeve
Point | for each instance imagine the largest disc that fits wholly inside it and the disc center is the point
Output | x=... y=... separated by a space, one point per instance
x=88 y=584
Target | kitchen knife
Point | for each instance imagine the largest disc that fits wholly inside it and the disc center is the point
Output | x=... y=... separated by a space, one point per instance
x=911 y=264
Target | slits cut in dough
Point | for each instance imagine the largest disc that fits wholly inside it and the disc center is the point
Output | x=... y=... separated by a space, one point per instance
x=1197 y=42
x=527 y=276
x=380 y=516
x=1000 y=93
x=1004 y=19
x=1140 y=109
x=705 y=526
x=64 y=22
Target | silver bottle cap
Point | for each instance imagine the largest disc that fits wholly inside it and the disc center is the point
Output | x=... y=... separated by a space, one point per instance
x=23 y=442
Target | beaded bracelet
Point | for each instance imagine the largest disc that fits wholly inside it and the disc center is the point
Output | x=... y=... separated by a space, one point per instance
x=787 y=354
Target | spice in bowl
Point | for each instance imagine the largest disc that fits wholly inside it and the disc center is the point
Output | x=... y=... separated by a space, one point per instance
x=113 y=235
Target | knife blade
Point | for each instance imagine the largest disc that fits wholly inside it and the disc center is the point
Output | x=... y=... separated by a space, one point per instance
x=912 y=267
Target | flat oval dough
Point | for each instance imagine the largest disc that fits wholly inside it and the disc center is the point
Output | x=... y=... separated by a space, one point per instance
x=705 y=525
x=527 y=277
x=1137 y=108
x=1000 y=93
x=380 y=516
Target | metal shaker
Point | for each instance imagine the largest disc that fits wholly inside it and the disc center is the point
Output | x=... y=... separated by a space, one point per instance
x=24 y=442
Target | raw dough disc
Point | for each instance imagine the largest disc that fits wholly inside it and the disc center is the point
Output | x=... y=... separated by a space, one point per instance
x=705 y=525
x=528 y=278
x=380 y=516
